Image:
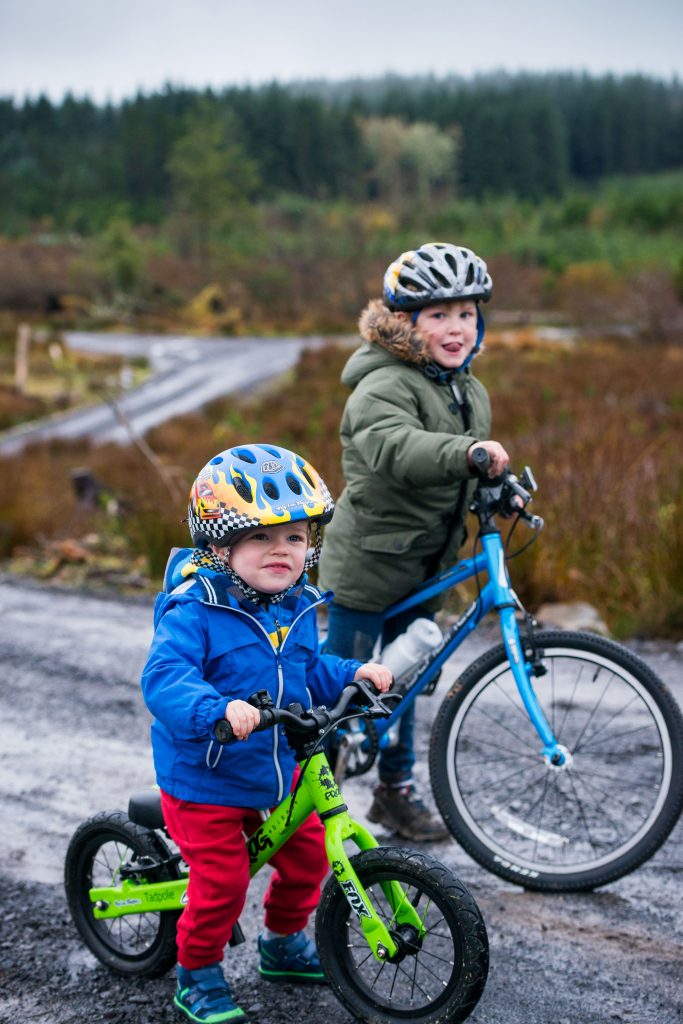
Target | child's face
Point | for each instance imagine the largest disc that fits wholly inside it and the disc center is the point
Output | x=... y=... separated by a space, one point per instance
x=269 y=558
x=449 y=331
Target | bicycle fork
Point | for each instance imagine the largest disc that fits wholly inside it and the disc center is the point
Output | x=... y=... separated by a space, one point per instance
x=499 y=595
x=325 y=794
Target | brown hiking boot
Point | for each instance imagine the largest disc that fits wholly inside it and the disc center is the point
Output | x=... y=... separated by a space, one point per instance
x=402 y=811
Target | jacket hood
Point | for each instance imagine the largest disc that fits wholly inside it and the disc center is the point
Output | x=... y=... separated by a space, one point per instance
x=387 y=338
x=380 y=326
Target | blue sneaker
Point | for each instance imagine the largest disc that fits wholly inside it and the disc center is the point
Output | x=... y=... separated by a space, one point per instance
x=204 y=995
x=292 y=958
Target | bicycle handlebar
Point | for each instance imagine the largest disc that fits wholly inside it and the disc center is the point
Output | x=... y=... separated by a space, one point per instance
x=481 y=462
x=314 y=720
x=505 y=492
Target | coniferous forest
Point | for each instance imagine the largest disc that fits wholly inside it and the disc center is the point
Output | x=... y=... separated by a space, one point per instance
x=218 y=209
x=529 y=136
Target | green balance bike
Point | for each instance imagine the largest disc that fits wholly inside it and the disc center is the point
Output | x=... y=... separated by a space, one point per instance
x=399 y=936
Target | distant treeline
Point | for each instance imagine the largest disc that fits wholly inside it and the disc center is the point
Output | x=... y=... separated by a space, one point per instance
x=526 y=135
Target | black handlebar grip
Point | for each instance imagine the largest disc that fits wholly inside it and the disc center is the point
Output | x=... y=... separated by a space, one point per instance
x=481 y=460
x=223 y=731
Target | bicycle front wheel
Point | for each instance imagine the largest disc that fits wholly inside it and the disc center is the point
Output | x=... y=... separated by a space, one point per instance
x=585 y=823
x=436 y=978
x=102 y=851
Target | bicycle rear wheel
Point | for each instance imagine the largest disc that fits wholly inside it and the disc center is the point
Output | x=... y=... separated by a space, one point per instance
x=583 y=824
x=436 y=979
x=103 y=850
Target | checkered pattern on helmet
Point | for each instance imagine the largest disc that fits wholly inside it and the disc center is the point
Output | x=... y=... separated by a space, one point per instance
x=327 y=500
x=219 y=527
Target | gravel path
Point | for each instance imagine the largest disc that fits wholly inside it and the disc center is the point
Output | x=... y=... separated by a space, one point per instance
x=74 y=740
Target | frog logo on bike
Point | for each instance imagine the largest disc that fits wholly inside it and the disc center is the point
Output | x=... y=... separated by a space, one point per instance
x=326 y=779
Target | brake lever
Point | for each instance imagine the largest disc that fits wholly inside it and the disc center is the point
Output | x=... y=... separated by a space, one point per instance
x=515 y=486
x=527 y=479
x=375 y=707
x=533 y=522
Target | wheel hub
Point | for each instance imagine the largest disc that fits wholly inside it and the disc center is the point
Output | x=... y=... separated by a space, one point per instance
x=408 y=942
x=566 y=763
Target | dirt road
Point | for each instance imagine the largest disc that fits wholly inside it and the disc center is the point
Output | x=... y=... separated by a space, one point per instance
x=74 y=740
x=186 y=374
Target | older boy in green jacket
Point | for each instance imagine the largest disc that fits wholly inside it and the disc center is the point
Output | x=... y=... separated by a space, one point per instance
x=415 y=414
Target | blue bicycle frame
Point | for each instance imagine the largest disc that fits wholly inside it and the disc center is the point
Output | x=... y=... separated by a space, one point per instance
x=497 y=594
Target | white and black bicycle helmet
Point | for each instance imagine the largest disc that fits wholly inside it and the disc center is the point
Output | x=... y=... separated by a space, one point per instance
x=436 y=272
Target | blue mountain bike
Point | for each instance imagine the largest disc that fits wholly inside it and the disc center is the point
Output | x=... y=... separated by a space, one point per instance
x=556 y=759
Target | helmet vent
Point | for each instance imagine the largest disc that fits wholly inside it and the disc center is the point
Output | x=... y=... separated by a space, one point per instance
x=271 y=490
x=443 y=281
x=244 y=455
x=293 y=484
x=272 y=451
x=470 y=274
x=307 y=475
x=242 y=488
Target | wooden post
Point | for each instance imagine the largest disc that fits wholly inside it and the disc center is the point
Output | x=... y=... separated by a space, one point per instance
x=21 y=357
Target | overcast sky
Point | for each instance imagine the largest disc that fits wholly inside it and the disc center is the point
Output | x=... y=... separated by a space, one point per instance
x=108 y=49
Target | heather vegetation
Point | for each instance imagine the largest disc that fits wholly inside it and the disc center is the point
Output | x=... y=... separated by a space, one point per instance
x=599 y=424
x=275 y=210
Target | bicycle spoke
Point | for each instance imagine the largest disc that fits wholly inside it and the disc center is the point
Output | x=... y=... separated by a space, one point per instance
x=612 y=780
x=646 y=726
x=603 y=801
x=617 y=714
x=593 y=713
x=502 y=726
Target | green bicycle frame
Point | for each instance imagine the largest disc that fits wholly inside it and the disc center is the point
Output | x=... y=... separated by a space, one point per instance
x=316 y=790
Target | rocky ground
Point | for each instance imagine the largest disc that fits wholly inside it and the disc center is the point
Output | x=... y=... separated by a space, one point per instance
x=74 y=740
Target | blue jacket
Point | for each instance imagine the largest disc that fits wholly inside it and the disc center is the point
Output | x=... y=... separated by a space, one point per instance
x=210 y=646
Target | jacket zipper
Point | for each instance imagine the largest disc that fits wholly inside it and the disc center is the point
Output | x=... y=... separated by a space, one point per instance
x=460 y=404
x=280 y=677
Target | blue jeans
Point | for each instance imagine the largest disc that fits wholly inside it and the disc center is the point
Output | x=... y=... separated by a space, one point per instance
x=353 y=634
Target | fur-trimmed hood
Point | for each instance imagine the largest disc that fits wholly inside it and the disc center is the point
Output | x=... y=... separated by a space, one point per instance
x=380 y=326
x=388 y=339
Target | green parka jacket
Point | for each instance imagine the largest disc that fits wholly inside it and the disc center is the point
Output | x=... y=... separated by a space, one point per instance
x=405 y=439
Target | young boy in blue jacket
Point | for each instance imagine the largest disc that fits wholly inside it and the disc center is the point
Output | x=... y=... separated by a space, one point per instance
x=238 y=616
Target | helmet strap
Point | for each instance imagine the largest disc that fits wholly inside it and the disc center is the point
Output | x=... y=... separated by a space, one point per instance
x=314 y=555
x=204 y=558
x=208 y=560
x=481 y=330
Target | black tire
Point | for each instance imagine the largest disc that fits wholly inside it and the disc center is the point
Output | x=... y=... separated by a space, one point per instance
x=140 y=945
x=438 y=981
x=584 y=824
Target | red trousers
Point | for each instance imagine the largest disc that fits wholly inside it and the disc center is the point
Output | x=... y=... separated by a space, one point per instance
x=211 y=841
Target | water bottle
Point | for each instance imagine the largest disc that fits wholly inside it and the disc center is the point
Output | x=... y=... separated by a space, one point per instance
x=404 y=652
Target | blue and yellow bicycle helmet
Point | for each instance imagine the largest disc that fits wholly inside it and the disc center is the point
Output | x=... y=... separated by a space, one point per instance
x=254 y=485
